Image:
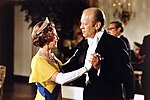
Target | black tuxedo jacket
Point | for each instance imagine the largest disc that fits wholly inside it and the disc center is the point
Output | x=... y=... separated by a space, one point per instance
x=145 y=50
x=125 y=40
x=115 y=69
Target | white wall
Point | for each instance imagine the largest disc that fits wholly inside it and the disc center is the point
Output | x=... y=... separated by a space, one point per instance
x=138 y=26
x=22 y=45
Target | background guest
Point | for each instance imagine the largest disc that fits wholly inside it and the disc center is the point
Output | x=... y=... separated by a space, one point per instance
x=116 y=28
x=145 y=50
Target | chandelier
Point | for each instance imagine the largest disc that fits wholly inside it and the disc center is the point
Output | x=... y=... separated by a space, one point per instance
x=122 y=10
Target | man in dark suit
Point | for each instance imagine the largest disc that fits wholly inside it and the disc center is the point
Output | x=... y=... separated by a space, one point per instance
x=111 y=65
x=116 y=29
x=145 y=51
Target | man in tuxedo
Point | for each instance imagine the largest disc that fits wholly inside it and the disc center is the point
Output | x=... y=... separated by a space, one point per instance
x=111 y=64
x=145 y=51
x=116 y=29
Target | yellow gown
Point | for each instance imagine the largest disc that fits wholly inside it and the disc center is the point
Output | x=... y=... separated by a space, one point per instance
x=41 y=72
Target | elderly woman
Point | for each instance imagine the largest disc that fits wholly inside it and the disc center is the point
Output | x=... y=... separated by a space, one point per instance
x=46 y=68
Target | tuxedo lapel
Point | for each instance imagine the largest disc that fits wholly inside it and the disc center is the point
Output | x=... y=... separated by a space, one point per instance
x=100 y=46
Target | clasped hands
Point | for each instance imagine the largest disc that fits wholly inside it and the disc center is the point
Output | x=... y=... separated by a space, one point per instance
x=94 y=60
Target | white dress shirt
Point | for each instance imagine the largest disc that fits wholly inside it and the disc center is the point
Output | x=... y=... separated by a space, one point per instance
x=92 y=42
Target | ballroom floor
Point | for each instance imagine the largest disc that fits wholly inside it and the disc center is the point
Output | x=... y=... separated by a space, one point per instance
x=24 y=91
x=20 y=91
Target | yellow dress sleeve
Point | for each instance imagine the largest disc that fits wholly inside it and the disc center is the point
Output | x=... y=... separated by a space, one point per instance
x=42 y=70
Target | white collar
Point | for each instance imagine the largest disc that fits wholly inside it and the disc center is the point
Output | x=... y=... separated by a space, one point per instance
x=96 y=38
